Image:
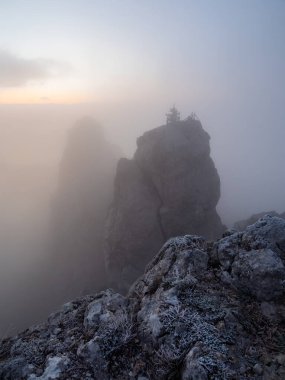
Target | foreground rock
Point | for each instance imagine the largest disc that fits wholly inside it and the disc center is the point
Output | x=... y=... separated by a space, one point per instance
x=200 y=311
x=171 y=187
x=242 y=224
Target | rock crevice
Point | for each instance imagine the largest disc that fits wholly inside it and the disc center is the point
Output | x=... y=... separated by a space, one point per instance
x=160 y=206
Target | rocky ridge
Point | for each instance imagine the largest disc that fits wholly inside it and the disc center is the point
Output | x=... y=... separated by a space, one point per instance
x=201 y=310
x=242 y=224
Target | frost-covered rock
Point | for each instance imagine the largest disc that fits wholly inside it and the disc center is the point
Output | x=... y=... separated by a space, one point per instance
x=261 y=273
x=104 y=309
x=253 y=260
x=242 y=224
x=200 y=311
x=54 y=368
x=267 y=232
x=193 y=370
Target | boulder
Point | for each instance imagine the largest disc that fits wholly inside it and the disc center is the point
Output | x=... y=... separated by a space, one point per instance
x=260 y=273
x=253 y=260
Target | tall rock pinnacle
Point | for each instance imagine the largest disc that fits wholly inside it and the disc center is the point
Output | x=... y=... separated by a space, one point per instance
x=170 y=187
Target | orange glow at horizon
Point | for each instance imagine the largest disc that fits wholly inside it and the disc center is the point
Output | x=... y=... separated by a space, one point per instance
x=34 y=96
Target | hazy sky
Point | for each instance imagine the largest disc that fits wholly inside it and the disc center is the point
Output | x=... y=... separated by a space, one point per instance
x=127 y=61
x=77 y=50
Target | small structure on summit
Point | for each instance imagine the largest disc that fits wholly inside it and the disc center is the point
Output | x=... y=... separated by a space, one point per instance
x=173 y=115
x=169 y=188
x=192 y=116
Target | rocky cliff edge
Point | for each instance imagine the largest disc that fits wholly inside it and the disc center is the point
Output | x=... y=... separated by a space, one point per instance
x=201 y=311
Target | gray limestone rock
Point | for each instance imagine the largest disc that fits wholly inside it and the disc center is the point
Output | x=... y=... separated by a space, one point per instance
x=242 y=224
x=254 y=259
x=260 y=273
x=133 y=230
x=171 y=187
x=180 y=320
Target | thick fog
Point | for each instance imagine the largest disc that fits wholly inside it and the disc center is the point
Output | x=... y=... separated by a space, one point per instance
x=123 y=66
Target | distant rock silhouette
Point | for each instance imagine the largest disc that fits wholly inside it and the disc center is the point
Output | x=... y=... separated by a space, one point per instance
x=171 y=187
x=79 y=208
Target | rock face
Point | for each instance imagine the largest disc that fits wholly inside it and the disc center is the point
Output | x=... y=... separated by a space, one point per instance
x=200 y=311
x=79 y=209
x=242 y=224
x=253 y=260
x=171 y=187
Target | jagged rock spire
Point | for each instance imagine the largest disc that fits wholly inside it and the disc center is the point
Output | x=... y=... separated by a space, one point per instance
x=170 y=187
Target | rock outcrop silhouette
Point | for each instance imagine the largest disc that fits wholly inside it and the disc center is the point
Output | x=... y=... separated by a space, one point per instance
x=202 y=310
x=79 y=209
x=171 y=187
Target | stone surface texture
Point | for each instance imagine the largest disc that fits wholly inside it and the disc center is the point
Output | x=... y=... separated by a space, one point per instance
x=242 y=224
x=202 y=310
x=171 y=187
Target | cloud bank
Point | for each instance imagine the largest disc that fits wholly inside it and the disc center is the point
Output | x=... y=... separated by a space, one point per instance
x=16 y=71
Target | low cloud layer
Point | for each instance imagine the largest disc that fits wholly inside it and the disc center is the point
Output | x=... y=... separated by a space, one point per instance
x=16 y=71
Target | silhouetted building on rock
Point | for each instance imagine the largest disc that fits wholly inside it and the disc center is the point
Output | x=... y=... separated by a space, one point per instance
x=172 y=116
x=79 y=209
x=171 y=187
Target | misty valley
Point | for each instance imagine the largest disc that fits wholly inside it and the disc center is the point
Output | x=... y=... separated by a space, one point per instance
x=101 y=225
